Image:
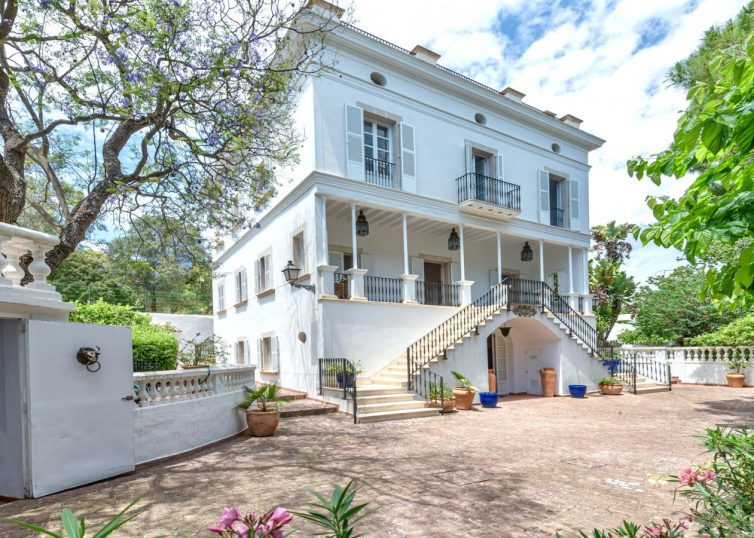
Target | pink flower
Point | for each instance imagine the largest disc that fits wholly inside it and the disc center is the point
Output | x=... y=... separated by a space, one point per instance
x=682 y=524
x=709 y=475
x=217 y=530
x=686 y=477
x=654 y=531
x=280 y=517
x=230 y=516
x=242 y=530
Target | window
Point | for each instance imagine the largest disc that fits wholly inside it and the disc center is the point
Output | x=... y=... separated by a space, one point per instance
x=264 y=273
x=299 y=252
x=241 y=286
x=556 y=187
x=378 y=153
x=221 y=296
x=242 y=352
x=343 y=260
x=267 y=354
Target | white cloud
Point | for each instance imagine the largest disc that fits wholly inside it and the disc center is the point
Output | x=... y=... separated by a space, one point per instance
x=573 y=59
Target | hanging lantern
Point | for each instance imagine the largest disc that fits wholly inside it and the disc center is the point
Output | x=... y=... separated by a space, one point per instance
x=362 y=226
x=454 y=242
x=291 y=272
x=526 y=253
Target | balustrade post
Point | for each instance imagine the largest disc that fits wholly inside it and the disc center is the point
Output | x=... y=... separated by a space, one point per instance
x=326 y=284
x=356 y=283
x=408 y=288
x=465 y=288
x=14 y=250
x=39 y=269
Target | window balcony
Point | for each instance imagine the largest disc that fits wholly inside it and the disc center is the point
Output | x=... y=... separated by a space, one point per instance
x=488 y=196
x=380 y=173
x=556 y=217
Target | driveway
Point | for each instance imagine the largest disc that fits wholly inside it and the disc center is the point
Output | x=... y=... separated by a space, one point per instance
x=530 y=467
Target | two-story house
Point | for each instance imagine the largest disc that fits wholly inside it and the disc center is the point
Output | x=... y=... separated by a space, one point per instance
x=439 y=224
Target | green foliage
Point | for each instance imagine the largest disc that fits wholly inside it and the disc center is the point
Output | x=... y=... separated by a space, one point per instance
x=266 y=397
x=155 y=344
x=204 y=351
x=739 y=332
x=86 y=276
x=613 y=288
x=102 y=313
x=339 y=515
x=668 y=310
x=151 y=343
x=609 y=381
x=714 y=135
x=437 y=393
x=76 y=528
x=463 y=381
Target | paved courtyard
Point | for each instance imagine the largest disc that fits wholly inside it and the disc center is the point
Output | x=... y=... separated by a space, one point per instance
x=531 y=467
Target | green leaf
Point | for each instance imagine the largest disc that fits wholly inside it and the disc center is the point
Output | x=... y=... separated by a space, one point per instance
x=71 y=525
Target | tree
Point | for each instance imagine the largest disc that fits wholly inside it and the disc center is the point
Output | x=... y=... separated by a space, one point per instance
x=175 y=104
x=86 y=276
x=668 y=310
x=612 y=286
x=715 y=136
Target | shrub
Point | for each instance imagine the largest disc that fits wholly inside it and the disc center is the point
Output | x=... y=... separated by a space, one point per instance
x=102 y=313
x=155 y=344
x=739 y=332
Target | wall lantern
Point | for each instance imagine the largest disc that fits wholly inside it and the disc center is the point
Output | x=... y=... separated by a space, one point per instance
x=454 y=242
x=505 y=331
x=291 y=272
x=362 y=226
x=526 y=253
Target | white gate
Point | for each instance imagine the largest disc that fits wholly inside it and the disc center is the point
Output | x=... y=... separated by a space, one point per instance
x=80 y=424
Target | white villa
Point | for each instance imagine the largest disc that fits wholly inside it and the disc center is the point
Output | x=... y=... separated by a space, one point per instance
x=438 y=224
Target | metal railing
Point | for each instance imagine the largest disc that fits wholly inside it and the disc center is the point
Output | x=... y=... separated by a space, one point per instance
x=438 y=293
x=339 y=374
x=429 y=386
x=630 y=366
x=342 y=288
x=495 y=191
x=379 y=172
x=385 y=289
x=556 y=216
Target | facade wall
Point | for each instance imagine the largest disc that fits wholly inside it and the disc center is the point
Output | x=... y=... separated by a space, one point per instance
x=11 y=422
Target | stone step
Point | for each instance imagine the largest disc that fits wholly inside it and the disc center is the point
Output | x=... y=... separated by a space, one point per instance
x=398 y=415
x=396 y=384
x=306 y=407
x=651 y=389
x=370 y=408
x=385 y=398
x=374 y=390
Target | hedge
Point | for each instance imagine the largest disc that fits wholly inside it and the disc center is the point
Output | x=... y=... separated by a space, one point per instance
x=155 y=347
x=739 y=332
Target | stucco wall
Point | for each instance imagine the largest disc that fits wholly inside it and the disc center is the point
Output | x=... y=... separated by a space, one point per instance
x=11 y=429
x=166 y=430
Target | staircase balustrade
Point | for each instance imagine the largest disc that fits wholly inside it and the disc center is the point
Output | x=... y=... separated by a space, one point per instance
x=339 y=374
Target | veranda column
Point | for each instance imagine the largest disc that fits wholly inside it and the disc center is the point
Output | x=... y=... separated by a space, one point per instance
x=573 y=300
x=325 y=271
x=356 y=280
x=499 y=260
x=465 y=284
x=409 y=280
x=541 y=260
x=587 y=295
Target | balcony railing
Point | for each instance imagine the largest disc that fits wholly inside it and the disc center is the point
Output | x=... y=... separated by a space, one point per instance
x=488 y=189
x=380 y=288
x=380 y=173
x=437 y=293
x=556 y=216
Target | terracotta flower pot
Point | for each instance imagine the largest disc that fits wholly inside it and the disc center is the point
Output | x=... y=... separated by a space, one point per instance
x=611 y=390
x=449 y=404
x=735 y=380
x=262 y=423
x=674 y=380
x=464 y=399
x=548 y=377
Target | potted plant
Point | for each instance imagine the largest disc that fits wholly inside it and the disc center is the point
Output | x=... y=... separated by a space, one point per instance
x=262 y=418
x=203 y=352
x=344 y=373
x=736 y=376
x=442 y=397
x=609 y=386
x=464 y=392
x=341 y=288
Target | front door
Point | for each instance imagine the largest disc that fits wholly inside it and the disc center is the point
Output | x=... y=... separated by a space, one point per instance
x=501 y=365
x=433 y=283
x=533 y=366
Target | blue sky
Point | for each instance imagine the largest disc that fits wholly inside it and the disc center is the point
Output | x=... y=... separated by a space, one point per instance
x=603 y=61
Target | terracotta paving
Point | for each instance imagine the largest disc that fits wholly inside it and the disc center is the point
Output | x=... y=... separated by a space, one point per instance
x=530 y=467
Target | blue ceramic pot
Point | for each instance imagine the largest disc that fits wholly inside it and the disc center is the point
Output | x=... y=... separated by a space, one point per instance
x=577 y=391
x=488 y=399
x=346 y=380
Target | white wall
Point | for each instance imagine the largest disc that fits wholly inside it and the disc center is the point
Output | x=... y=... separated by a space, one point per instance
x=12 y=379
x=187 y=325
x=166 y=430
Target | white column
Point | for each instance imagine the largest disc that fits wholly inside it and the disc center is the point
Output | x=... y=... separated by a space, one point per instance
x=463 y=264
x=320 y=217
x=541 y=260
x=585 y=263
x=354 y=247
x=499 y=260
x=406 y=269
x=570 y=269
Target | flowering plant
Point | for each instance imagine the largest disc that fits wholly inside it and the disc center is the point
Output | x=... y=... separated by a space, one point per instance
x=233 y=524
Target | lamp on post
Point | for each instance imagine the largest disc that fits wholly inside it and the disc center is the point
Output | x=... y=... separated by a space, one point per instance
x=291 y=272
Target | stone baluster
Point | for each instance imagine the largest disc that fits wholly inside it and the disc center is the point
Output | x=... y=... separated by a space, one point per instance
x=13 y=251
x=4 y=243
x=39 y=268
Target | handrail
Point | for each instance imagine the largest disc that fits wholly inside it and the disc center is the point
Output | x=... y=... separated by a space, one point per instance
x=378 y=172
x=438 y=293
x=483 y=188
x=339 y=373
x=384 y=289
x=634 y=365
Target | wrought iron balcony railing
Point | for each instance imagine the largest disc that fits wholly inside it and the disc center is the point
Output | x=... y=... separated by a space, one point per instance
x=488 y=189
x=380 y=173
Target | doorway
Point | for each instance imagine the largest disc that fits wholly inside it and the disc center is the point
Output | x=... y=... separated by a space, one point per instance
x=500 y=355
x=433 y=283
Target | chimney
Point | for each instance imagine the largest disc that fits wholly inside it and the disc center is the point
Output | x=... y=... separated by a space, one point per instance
x=325 y=9
x=515 y=95
x=550 y=113
x=573 y=121
x=425 y=54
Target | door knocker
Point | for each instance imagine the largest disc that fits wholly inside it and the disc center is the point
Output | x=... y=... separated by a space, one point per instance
x=89 y=357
